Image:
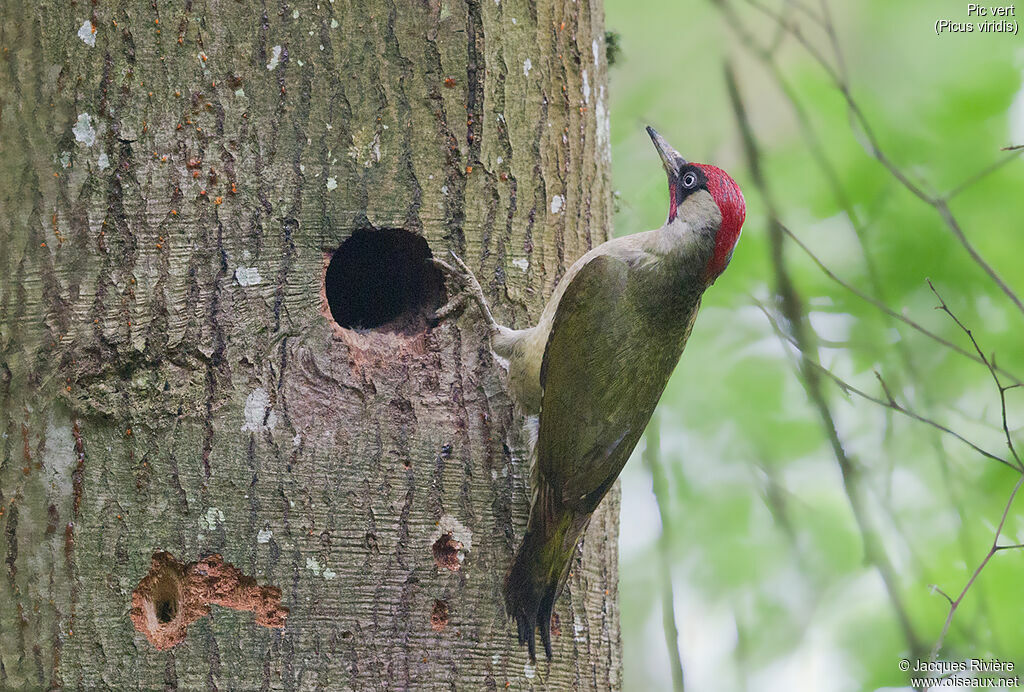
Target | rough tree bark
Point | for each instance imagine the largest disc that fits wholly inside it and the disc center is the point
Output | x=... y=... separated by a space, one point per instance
x=174 y=179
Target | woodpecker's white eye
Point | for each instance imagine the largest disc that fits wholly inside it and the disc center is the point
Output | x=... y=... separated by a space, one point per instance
x=689 y=179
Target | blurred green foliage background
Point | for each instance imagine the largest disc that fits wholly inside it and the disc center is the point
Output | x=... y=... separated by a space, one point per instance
x=772 y=585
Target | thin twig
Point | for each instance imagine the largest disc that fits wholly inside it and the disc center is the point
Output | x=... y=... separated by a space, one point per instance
x=780 y=33
x=1010 y=547
x=935 y=589
x=992 y=370
x=1019 y=468
x=875 y=149
x=977 y=571
x=886 y=309
x=887 y=403
x=985 y=172
x=834 y=40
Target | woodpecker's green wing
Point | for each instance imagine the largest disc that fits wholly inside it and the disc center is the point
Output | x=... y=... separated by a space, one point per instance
x=608 y=357
x=617 y=333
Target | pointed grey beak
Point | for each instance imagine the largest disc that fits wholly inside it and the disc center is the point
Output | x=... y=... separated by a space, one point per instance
x=670 y=158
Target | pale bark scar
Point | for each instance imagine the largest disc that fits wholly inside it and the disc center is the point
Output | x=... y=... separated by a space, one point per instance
x=173 y=595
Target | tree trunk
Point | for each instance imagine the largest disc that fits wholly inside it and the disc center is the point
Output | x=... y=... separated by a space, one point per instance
x=177 y=180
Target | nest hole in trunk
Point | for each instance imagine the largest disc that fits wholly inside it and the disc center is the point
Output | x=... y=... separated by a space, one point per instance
x=381 y=279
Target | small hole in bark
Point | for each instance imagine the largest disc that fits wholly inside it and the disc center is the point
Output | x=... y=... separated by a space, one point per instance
x=380 y=279
x=172 y=595
x=165 y=594
x=439 y=616
x=446 y=553
x=165 y=610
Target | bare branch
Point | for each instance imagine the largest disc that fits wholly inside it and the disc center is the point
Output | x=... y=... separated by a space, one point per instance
x=875 y=149
x=895 y=406
x=887 y=310
x=985 y=172
x=834 y=40
x=977 y=571
x=1015 y=546
x=992 y=370
x=1020 y=468
x=792 y=310
x=885 y=388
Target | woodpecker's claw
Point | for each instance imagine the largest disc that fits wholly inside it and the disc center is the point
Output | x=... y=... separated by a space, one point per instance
x=462 y=274
x=445 y=311
x=459 y=299
x=469 y=288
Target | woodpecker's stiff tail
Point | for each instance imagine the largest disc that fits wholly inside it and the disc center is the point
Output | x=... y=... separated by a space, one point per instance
x=541 y=567
x=530 y=595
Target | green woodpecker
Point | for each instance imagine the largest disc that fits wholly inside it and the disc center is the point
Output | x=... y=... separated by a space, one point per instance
x=596 y=363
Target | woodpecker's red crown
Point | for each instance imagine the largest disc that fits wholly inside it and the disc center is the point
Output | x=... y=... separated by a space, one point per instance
x=729 y=198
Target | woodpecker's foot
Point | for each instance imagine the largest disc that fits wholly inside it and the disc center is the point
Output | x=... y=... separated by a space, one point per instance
x=469 y=287
x=449 y=308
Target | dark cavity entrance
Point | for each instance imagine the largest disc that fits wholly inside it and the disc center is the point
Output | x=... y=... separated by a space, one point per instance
x=165 y=610
x=381 y=279
x=165 y=595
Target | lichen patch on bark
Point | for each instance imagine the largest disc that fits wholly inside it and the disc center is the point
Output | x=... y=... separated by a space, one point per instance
x=173 y=595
